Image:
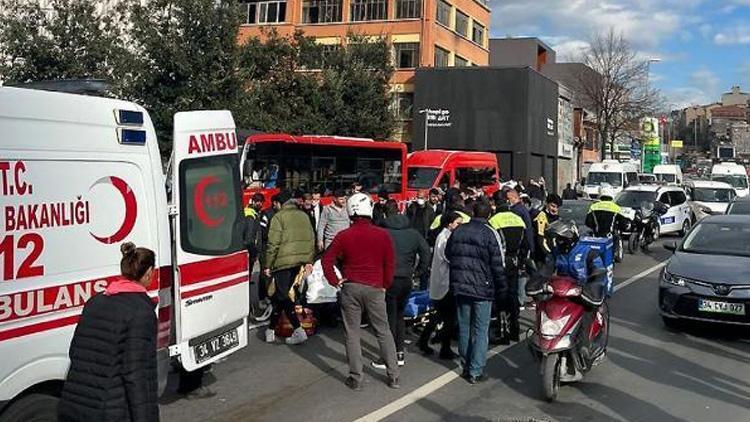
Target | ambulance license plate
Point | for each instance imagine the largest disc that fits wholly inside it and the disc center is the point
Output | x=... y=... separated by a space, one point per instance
x=216 y=345
x=721 y=307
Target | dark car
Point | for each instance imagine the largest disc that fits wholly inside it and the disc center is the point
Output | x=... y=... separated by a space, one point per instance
x=708 y=276
x=739 y=206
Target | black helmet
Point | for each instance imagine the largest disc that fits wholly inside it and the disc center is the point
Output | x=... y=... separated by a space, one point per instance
x=562 y=235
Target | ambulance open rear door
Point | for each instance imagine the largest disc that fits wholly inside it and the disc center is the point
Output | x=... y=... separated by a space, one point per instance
x=210 y=261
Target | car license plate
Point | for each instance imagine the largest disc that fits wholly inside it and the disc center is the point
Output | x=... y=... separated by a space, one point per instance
x=216 y=345
x=721 y=307
x=667 y=220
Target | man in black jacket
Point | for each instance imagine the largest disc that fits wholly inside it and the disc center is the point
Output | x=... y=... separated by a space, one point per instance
x=412 y=258
x=251 y=230
x=477 y=277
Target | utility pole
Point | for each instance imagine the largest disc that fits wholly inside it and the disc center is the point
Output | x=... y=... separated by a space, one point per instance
x=426 y=113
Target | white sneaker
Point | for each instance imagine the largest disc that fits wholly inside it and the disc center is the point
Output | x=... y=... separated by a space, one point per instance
x=298 y=336
x=270 y=335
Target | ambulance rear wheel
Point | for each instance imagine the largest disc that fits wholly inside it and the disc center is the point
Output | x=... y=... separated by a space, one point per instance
x=32 y=408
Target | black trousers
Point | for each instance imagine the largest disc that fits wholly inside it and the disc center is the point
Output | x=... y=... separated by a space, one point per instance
x=445 y=312
x=395 y=303
x=280 y=299
x=510 y=305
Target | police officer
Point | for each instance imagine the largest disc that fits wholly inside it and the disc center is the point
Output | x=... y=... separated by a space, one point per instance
x=603 y=214
x=549 y=215
x=513 y=230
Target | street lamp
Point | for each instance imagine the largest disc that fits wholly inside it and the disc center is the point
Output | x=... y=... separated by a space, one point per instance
x=426 y=112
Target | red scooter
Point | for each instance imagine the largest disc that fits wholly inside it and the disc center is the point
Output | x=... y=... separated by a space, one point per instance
x=570 y=334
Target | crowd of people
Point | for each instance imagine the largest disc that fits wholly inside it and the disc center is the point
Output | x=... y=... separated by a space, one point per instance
x=357 y=261
x=353 y=258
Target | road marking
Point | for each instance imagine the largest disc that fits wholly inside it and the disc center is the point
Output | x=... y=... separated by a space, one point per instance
x=639 y=276
x=443 y=380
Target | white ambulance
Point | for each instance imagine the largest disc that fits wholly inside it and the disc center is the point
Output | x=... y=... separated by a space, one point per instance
x=79 y=175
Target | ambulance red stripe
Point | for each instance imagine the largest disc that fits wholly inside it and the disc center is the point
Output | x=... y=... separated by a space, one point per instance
x=214 y=287
x=196 y=272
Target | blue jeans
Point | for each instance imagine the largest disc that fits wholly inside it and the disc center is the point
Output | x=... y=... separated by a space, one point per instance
x=473 y=332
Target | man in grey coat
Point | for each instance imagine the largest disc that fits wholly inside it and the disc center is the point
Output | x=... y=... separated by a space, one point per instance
x=333 y=219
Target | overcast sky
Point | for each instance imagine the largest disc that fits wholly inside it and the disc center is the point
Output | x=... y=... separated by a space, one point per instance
x=704 y=45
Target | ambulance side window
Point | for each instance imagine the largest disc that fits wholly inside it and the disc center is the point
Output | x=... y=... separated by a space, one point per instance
x=210 y=206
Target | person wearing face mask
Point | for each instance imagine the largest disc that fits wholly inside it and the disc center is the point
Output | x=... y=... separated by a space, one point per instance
x=112 y=373
x=420 y=215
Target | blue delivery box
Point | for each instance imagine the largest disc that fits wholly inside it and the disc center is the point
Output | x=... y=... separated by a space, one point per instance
x=607 y=249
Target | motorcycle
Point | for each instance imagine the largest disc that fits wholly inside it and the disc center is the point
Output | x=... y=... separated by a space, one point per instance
x=645 y=226
x=570 y=333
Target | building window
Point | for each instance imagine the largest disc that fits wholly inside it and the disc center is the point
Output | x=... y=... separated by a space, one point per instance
x=404 y=105
x=407 y=9
x=444 y=13
x=262 y=12
x=369 y=10
x=461 y=62
x=462 y=23
x=321 y=11
x=477 y=34
x=406 y=55
x=441 y=57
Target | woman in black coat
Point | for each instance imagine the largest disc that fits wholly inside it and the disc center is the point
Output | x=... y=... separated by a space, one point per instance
x=112 y=374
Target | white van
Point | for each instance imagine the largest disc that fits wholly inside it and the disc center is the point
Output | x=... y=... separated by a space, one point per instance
x=668 y=173
x=609 y=172
x=732 y=173
x=79 y=175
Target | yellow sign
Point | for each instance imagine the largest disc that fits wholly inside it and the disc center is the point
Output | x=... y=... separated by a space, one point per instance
x=676 y=143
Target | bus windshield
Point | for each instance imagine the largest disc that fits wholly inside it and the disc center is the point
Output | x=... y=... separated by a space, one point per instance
x=325 y=168
x=422 y=177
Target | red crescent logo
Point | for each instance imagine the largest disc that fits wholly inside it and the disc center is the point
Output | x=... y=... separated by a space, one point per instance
x=131 y=209
x=199 y=195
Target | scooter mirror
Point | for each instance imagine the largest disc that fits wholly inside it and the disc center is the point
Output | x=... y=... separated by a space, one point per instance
x=671 y=246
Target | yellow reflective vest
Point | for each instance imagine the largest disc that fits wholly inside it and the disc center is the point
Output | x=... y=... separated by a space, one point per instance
x=507 y=219
x=607 y=206
x=436 y=222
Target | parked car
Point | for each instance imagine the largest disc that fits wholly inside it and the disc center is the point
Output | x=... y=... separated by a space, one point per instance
x=709 y=197
x=708 y=276
x=677 y=219
x=739 y=206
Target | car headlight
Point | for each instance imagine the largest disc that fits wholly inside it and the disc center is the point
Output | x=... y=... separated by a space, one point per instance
x=672 y=279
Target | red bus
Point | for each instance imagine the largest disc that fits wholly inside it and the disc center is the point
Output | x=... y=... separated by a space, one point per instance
x=443 y=169
x=272 y=162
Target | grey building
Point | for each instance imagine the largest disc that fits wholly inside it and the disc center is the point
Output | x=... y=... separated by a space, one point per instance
x=531 y=52
x=511 y=111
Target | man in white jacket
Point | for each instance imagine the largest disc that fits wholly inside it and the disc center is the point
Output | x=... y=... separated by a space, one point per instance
x=445 y=304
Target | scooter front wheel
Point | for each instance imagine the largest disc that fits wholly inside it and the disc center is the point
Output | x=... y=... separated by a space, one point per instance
x=551 y=376
x=619 y=249
x=633 y=242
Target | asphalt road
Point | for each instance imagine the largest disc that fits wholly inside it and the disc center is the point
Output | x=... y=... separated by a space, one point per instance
x=651 y=374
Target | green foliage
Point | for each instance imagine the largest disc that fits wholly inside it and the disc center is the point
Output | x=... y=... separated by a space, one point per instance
x=297 y=86
x=187 y=58
x=71 y=42
x=172 y=56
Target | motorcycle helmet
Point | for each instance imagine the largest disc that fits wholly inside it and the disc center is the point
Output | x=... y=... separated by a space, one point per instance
x=359 y=205
x=562 y=235
x=647 y=208
x=606 y=193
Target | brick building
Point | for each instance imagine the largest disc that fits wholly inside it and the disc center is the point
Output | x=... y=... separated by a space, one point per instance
x=423 y=33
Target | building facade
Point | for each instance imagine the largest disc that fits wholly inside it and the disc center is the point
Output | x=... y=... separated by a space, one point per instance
x=511 y=112
x=423 y=33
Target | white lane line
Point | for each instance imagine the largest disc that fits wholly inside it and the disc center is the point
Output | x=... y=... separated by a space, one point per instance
x=441 y=381
x=639 y=276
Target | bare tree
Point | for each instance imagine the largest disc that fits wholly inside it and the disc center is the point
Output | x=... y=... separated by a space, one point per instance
x=615 y=86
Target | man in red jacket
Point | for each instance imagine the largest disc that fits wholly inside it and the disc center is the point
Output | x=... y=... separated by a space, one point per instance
x=365 y=253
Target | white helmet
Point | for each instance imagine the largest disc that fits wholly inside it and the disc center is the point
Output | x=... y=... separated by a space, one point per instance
x=606 y=192
x=359 y=205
